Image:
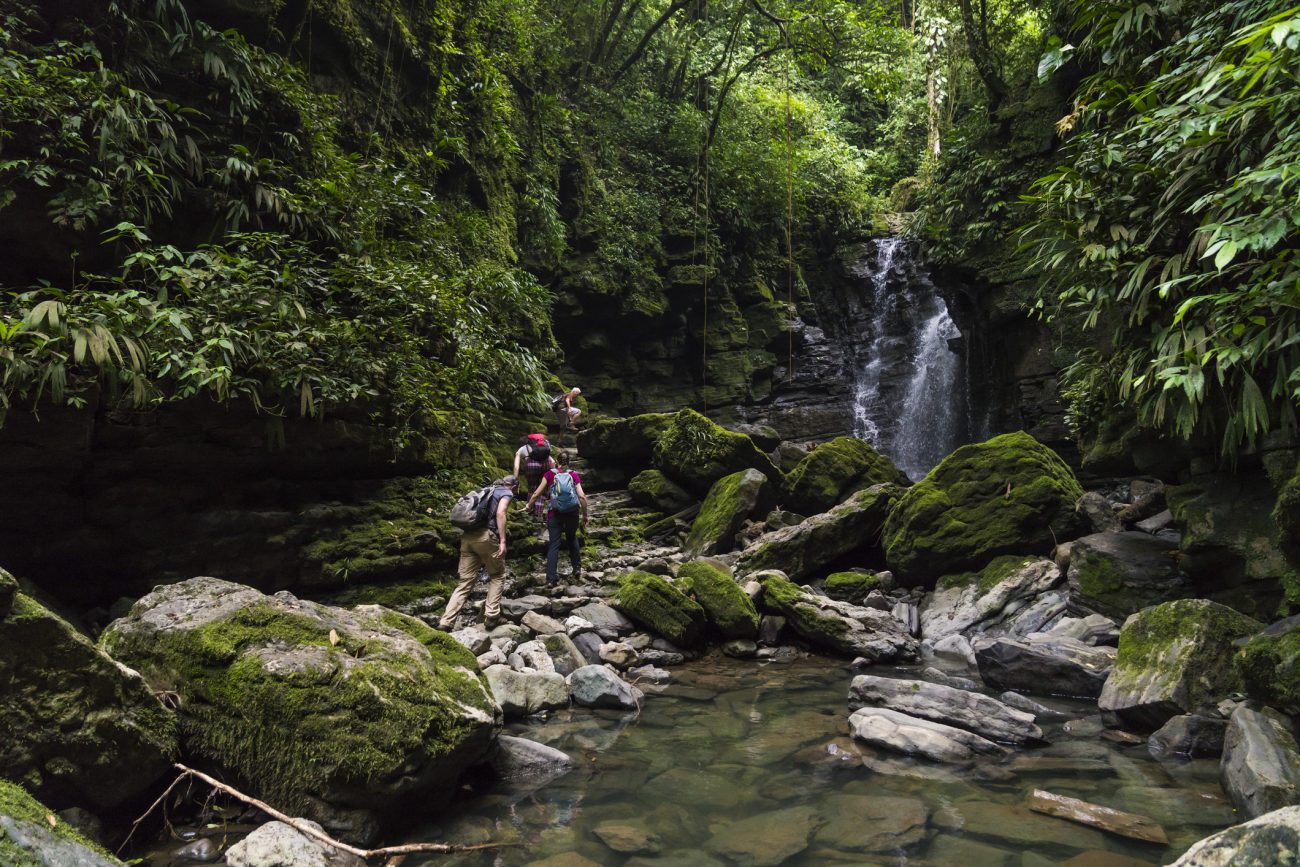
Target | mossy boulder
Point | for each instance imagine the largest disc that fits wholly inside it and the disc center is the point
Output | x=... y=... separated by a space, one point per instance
x=654 y=490
x=623 y=441
x=333 y=714
x=1174 y=658
x=727 y=606
x=27 y=839
x=836 y=469
x=852 y=586
x=839 y=626
x=1118 y=574
x=1269 y=665
x=662 y=608
x=79 y=729
x=696 y=452
x=730 y=501
x=1008 y=495
x=813 y=544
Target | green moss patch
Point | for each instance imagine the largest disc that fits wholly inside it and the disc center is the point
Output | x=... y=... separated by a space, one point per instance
x=623 y=441
x=836 y=469
x=1007 y=495
x=730 y=501
x=727 y=606
x=851 y=586
x=1270 y=667
x=653 y=490
x=659 y=606
x=698 y=452
x=784 y=597
x=17 y=803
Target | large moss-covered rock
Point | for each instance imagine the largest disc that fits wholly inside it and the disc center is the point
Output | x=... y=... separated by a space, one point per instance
x=337 y=715
x=836 y=469
x=1269 y=664
x=1118 y=574
x=727 y=606
x=1174 y=658
x=659 y=606
x=697 y=452
x=852 y=586
x=1008 y=495
x=1260 y=842
x=78 y=729
x=654 y=490
x=27 y=839
x=813 y=544
x=730 y=501
x=623 y=441
x=867 y=632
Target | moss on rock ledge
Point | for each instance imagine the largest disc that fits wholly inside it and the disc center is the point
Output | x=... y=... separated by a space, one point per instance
x=1270 y=665
x=654 y=490
x=1007 y=495
x=836 y=469
x=728 y=607
x=698 y=452
x=851 y=586
x=730 y=501
x=325 y=712
x=659 y=606
x=35 y=843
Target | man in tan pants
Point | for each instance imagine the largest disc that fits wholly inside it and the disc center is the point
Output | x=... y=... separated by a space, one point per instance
x=484 y=547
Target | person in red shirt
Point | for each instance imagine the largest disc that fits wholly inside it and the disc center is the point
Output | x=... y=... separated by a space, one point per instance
x=566 y=510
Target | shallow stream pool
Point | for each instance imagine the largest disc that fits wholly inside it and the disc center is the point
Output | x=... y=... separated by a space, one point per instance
x=751 y=763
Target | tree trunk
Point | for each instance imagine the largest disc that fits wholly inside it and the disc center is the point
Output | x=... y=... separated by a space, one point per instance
x=982 y=57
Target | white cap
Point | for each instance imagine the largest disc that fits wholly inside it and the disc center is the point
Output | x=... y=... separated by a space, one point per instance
x=577 y=390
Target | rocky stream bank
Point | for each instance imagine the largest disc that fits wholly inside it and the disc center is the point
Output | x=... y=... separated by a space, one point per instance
x=1027 y=658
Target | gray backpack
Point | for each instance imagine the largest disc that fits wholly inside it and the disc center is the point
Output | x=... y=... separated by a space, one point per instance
x=471 y=510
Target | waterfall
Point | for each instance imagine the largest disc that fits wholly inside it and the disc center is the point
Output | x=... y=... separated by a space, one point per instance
x=909 y=387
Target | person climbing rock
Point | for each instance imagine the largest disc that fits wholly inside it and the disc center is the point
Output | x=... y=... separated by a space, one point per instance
x=534 y=458
x=484 y=547
x=566 y=508
x=564 y=408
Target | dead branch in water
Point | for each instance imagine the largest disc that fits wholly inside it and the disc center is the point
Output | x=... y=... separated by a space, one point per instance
x=395 y=854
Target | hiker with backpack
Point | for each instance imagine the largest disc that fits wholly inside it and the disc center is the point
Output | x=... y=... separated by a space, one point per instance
x=564 y=408
x=534 y=458
x=481 y=515
x=566 y=508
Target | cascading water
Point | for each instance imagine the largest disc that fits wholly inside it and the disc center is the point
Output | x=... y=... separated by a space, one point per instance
x=909 y=386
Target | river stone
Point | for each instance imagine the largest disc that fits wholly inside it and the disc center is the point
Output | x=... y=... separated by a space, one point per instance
x=730 y=501
x=565 y=656
x=1008 y=495
x=1118 y=574
x=988 y=599
x=204 y=850
x=1265 y=841
x=849 y=629
x=943 y=678
x=542 y=624
x=1174 y=658
x=954 y=647
x=522 y=693
x=912 y=736
x=628 y=839
x=815 y=543
x=696 y=789
x=589 y=644
x=1028 y=705
x=1189 y=735
x=1022 y=829
x=532 y=655
x=277 y=844
x=340 y=714
x=78 y=728
x=836 y=469
x=1131 y=825
x=740 y=648
x=1093 y=629
x=608 y=622
x=26 y=838
x=770 y=627
x=575 y=625
x=474 y=639
x=1097 y=514
x=618 y=654
x=1270 y=665
x=1260 y=768
x=653 y=490
x=495 y=656
x=1044 y=665
x=1180 y=805
x=947 y=849
x=598 y=686
x=981 y=714
x=767 y=839
x=519 y=760
x=867 y=823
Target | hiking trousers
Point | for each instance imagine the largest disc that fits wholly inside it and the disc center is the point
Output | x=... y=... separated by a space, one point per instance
x=566 y=524
x=478 y=549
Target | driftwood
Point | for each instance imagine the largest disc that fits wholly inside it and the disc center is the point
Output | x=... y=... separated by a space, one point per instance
x=663 y=525
x=395 y=854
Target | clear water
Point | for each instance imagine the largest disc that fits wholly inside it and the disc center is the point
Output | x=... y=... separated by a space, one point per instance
x=763 y=750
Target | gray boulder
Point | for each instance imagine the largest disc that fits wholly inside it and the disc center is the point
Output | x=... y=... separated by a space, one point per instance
x=474 y=639
x=277 y=844
x=77 y=728
x=337 y=714
x=801 y=550
x=598 y=686
x=1260 y=768
x=1097 y=514
x=1189 y=735
x=901 y=733
x=989 y=601
x=1174 y=658
x=608 y=622
x=840 y=626
x=1120 y=573
x=981 y=714
x=1264 y=841
x=1044 y=665
x=542 y=624
x=522 y=693
x=519 y=760
x=27 y=839
x=1094 y=629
